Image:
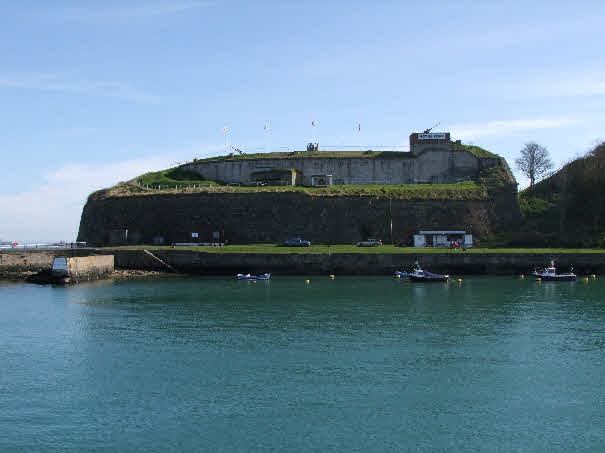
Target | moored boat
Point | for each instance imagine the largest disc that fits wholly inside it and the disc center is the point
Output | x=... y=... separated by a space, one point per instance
x=550 y=274
x=253 y=277
x=420 y=275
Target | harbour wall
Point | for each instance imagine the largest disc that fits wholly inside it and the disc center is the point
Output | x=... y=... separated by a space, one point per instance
x=33 y=259
x=202 y=263
x=90 y=267
x=81 y=264
x=458 y=263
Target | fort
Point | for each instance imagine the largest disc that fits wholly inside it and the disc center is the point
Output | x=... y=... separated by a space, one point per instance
x=433 y=159
x=325 y=196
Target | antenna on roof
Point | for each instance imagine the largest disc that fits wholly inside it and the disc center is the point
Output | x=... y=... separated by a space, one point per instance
x=431 y=128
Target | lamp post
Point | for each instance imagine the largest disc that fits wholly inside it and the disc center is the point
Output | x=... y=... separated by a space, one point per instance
x=391 y=216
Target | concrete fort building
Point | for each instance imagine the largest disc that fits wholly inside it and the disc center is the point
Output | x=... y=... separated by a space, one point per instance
x=433 y=159
x=337 y=197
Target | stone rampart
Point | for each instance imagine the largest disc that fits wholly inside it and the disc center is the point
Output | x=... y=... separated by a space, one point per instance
x=274 y=217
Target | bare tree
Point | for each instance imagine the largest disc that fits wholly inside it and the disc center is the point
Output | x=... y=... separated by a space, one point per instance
x=534 y=162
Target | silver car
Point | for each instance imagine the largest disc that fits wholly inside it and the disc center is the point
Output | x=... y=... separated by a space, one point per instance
x=369 y=243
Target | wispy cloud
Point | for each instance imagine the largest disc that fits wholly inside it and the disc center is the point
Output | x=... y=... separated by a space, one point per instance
x=64 y=84
x=580 y=86
x=507 y=127
x=139 y=10
x=52 y=210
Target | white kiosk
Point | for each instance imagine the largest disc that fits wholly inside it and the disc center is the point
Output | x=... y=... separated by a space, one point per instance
x=442 y=238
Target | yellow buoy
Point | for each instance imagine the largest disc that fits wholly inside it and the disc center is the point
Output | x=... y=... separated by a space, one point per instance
x=332 y=277
x=459 y=280
x=586 y=278
x=398 y=276
x=594 y=275
x=522 y=276
x=539 y=279
x=307 y=281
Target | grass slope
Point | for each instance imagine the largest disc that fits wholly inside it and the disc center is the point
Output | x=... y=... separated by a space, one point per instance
x=467 y=190
x=173 y=177
x=476 y=150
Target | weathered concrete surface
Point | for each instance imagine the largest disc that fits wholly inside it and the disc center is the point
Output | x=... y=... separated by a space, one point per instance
x=90 y=267
x=34 y=259
x=459 y=263
x=81 y=264
x=433 y=164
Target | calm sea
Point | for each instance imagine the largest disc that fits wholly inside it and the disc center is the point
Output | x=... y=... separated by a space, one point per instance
x=354 y=364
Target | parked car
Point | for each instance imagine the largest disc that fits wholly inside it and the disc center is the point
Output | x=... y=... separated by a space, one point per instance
x=297 y=242
x=369 y=243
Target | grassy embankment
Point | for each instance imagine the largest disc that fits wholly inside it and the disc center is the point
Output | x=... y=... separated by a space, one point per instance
x=566 y=209
x=467 y=190
x=173 y=177
x=183 y=181
x=345 y=248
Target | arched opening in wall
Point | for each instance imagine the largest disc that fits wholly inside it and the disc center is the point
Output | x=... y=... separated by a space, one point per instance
x=275 y=177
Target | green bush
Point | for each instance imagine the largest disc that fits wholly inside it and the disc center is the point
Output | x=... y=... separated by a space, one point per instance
x=534 y=206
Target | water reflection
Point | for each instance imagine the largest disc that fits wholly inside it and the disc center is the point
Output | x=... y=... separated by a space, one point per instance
x=133 y=363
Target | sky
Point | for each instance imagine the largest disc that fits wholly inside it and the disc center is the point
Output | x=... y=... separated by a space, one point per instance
x=97 y=92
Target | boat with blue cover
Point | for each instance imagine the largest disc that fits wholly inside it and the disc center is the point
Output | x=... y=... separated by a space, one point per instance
x=253 y=277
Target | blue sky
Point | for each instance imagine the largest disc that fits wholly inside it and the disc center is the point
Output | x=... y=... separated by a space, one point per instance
x=94 y=92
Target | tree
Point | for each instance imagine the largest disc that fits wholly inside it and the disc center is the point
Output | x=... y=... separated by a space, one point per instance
x=534 y=162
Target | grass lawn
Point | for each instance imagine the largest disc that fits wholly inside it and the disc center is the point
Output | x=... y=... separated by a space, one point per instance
x=344 y=248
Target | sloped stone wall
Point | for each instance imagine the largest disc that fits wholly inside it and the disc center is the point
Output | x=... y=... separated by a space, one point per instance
x=274 y=217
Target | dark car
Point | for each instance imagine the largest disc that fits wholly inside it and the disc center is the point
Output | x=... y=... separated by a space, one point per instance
x=297 y=242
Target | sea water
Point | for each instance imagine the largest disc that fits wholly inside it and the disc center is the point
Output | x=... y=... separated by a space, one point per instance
x=351 y=364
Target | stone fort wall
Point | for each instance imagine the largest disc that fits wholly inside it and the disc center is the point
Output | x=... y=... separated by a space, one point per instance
x=432 y=160
x=430 y=166
x=274 y=217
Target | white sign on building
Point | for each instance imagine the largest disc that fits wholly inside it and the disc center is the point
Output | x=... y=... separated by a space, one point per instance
x=439 y=136
x=194 y=235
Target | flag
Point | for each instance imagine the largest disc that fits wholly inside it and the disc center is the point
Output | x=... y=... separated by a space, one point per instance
x=313 y=123
x=358 y=127
x=225 y=129
x=266 y=126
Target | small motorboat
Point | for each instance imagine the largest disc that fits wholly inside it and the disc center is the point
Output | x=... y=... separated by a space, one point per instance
x=253 y=277
x=420 y=275
x=550 y=274
x=402 y=274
